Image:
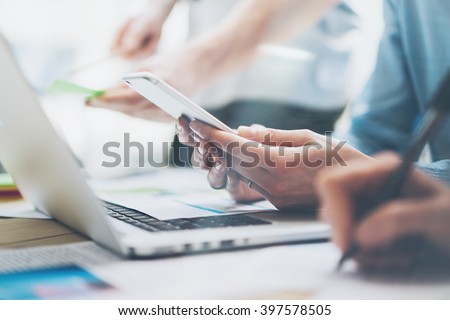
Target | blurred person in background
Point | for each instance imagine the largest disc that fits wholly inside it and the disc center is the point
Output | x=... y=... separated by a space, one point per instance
x=305 y=83
x=411 y=65
x=413 y=60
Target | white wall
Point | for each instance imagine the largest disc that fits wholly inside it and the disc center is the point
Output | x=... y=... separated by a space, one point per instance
x=51 y=37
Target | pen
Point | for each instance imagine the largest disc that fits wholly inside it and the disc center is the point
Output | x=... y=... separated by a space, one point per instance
x=433 y=118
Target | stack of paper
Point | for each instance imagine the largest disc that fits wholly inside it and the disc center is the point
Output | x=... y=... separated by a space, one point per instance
x=8 y=190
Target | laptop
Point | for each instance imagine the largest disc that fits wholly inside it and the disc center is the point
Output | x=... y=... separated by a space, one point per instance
x=48 y=176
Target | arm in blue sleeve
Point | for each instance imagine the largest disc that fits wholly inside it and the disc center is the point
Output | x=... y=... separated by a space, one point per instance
x=439 y=170
x=385 y=115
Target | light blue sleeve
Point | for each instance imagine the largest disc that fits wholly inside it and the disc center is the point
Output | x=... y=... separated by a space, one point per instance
x=387 y=112
x=439 y=170
x=384 y=116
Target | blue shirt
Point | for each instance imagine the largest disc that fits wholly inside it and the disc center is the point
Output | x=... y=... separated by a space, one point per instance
x=414 y=57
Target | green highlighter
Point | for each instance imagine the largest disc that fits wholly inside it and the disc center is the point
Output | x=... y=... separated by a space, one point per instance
x=62 y=86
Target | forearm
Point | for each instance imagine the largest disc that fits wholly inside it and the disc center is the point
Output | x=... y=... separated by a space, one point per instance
x=234 y=42
x=169 y=4
x=165 y=6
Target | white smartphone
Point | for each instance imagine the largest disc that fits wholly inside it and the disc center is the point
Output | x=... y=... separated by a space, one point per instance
x=170 y=100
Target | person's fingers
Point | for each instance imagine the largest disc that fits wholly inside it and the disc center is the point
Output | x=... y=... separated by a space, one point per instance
x=255 y=132
x=397 y=219
x=385 y=260
x=124 y=100
x=211 y=154
x=234 y=184
x=121 y=95
x=239 y=189
x=275 y=137
x=340 y=190
x=217 y=175
x=185 y=135
x=336 y=208
x=93 y=102
x=252 y=187
x=137 y=37
x=406 y=252
x=228 y=142
x=248 y=157
x=148 y=47
x=197 y=159
x=121 y=34
x=206 y=155
x=418 y=211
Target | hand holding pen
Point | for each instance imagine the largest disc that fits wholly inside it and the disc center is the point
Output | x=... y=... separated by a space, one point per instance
x=382 y=186
x=406 y=234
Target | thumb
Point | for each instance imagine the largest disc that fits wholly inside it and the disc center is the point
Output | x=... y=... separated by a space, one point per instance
x=275 y=137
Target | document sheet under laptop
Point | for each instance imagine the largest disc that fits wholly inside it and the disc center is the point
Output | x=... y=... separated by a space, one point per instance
x=173 y=194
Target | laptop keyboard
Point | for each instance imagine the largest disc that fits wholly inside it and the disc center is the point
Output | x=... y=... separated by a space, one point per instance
x=149 y=223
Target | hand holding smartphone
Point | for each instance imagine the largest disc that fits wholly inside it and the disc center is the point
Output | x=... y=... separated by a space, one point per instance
x=170 y=100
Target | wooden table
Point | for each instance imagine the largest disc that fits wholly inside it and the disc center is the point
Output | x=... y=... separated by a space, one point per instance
x=24 y=233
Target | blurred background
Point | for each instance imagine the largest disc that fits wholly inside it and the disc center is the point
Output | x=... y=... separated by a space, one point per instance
x=52 y=37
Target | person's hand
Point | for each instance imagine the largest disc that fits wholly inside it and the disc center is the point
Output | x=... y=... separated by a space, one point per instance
x=123 y=99
x=207 y=156
x=281 y=165
x=392 y=235
x=139 y=36
x=172 y=69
